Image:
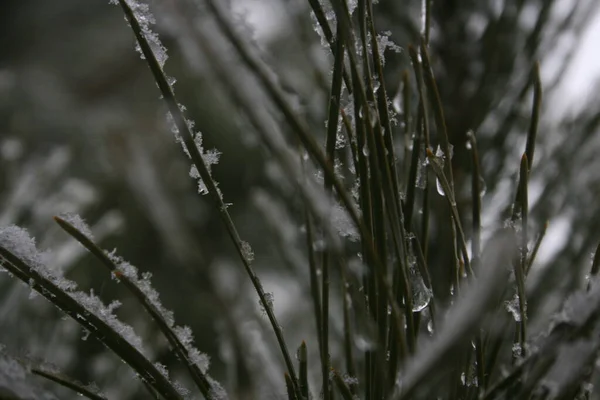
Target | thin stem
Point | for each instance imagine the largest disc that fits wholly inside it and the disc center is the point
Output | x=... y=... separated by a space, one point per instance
x=91 y=322
x=188 y=140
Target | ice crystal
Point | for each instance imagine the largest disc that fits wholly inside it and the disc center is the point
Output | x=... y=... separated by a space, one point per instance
x=78 y=223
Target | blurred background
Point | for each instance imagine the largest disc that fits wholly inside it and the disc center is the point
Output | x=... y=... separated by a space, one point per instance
x=82 y=129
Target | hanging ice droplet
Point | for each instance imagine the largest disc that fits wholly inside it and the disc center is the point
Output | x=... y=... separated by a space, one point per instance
x=468 y=145
x=397 y=103
x=421 y=294
x=482 y=186
x=430 y=327
x=439 y=187
x=376 y=86
x=365 y=151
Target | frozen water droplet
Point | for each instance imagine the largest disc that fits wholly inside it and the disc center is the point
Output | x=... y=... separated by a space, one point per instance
x=439 y=187
x=421 y=294
x=365 y=151
x=376 y=86
x=430 y=327
x=397 y=103
x=468 y=145
x=482 y=186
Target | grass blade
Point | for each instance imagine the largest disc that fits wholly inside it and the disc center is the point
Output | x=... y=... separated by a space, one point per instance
x=182 y=351
x=88 y=320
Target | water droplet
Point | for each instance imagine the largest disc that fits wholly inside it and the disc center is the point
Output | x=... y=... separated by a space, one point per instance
x=397 y=102
x=482 y=186
x=468 y=145
x=376 y=86
x=421 y=294
x=439 y=187
x=430 y=327
x=365 y=151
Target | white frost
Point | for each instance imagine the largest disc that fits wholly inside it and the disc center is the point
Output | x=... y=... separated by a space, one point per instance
x=78 y=223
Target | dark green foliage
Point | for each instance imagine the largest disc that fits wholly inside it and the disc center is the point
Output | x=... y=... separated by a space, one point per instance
x=411 y=297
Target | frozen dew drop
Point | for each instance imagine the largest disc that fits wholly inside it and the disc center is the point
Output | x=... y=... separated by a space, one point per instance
x=397 y=102
x=376 y=86
x=439 y=187
x=468 y=145
x=421 y=294
x=365 y=150
x=482 y=186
